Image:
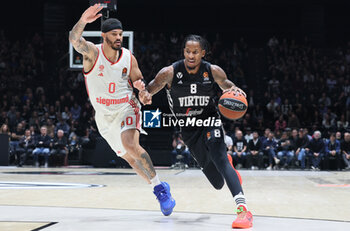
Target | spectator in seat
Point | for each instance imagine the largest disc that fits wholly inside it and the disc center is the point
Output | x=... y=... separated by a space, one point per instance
x=25 y=147
x=266 y=135
x=293 y=121
x=300 y=146
x=269 y=148
x=14 y=140
x=338 y=136
x=179 y=149
x=42 y=144
x=75 y=111
x=239 y=150
x=249 y=135
x=316 y=150
x=62 y=124
x=5 y=130
x=59 y=147
x=280 y=124
x=345 y=149
x=332 y=153
x=285 y=149
x=255 y=154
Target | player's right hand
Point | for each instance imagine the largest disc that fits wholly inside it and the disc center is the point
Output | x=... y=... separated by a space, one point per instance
x=145 y=97
x=90 y=14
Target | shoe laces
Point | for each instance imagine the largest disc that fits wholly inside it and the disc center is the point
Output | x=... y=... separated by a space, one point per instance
x=239 y=209
x=161 y=194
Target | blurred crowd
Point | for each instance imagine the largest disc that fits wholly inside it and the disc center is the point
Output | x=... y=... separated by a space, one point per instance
x=302 y=87
x=295 y=149
x=40 y=127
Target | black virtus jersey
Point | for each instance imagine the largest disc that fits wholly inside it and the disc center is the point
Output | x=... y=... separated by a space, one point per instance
x=193 y=94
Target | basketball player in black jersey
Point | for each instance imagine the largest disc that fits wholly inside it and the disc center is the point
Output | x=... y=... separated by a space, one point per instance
x=191 y=85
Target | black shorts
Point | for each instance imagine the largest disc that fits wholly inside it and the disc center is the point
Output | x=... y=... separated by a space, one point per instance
x=197 y=142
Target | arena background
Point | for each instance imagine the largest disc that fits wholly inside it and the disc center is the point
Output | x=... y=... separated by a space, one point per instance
x=95 y=190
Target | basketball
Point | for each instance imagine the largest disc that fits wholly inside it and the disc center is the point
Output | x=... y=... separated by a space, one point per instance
x=233 y=106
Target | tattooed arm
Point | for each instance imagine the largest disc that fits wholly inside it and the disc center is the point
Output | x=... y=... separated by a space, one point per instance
x=164 y=77
x=87 y=49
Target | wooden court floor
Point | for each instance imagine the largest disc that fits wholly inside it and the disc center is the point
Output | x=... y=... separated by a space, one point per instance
x=62 y=198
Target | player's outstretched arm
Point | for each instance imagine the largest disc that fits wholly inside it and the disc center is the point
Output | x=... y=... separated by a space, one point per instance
x=84 y=47
x=225 y=84
x=164 y=77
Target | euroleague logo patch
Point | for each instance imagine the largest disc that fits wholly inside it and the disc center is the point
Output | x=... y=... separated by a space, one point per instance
x=124 y=72
x=206 y=76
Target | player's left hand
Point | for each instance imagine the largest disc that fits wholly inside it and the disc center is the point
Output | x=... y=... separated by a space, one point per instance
x=145 y=97
x=236 y=90
x=139 y=85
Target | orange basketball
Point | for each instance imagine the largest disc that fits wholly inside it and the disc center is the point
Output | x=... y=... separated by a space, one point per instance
x=233 y=106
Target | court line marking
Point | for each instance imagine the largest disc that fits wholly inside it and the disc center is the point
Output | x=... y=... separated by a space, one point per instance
x=334 y=185
x=225 y=214
x=45 y=226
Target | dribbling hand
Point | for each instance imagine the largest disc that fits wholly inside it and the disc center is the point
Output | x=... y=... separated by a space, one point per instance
x=236 y=90
x=90 y=14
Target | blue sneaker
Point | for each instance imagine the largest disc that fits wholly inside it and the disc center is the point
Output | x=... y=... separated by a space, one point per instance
x=167 y=203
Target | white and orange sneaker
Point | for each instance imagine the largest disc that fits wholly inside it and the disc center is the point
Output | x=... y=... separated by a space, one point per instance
x=244 y=218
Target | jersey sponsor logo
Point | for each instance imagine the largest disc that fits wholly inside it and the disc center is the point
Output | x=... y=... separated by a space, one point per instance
x=109 y=102
x=190 y=112
x=124 y=72
x=180 y=82
x=179 y=75
x=189 y=101
x=151 y=118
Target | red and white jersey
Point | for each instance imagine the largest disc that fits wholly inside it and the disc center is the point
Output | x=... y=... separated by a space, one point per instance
x=108 y=84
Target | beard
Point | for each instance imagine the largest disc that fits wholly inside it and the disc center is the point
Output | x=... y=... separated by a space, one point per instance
x=191 y=68
x=113 y=45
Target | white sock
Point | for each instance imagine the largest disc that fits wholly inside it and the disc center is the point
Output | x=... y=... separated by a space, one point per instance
x=240 y=200
x=155 y=181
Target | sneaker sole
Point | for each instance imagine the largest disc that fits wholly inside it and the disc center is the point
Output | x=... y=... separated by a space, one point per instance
x=169 y=211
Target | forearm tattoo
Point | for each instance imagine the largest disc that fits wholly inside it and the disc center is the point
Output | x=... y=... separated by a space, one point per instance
x=77 y=40
x=163 y=78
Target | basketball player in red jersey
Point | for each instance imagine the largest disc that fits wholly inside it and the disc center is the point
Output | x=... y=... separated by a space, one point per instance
x=191 y=88
x=110 y=73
